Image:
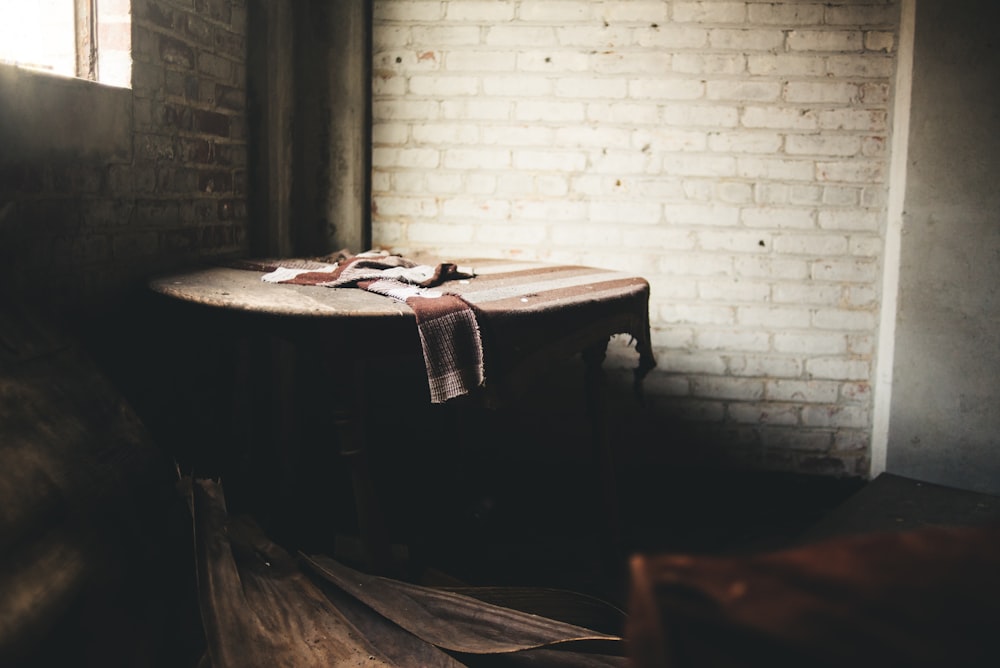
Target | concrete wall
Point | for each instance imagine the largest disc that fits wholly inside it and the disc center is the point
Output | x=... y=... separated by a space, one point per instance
x=945 y=422
x=100 y=186
x=734 y=153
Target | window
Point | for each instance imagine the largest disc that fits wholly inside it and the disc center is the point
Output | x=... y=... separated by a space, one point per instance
x=91 y=39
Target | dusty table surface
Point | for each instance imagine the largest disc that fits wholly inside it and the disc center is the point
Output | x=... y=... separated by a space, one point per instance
x=240 y=289
x=501 y=286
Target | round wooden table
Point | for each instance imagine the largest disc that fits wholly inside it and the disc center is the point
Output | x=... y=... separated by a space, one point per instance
x=531 y=313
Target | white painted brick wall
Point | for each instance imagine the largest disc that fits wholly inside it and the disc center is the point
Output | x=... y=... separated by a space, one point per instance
x=734 y=153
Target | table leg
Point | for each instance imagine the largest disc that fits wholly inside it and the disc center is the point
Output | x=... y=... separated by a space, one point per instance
x=603 y=457
x=349 y=417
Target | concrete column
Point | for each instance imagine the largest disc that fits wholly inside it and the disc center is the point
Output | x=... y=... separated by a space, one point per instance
x=271 y=111
x=333 y=125
x=310 y=118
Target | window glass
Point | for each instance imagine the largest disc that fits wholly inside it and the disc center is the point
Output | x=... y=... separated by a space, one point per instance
x=39 y=34
x=114 y=42
x=91 y=39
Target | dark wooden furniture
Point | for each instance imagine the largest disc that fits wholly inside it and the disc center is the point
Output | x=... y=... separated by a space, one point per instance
x=531 y=314
x=90 y=575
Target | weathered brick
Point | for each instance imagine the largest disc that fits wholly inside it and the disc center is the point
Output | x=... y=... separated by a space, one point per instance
x=785 y=64
x=698 y=115
x=666 y=89
x=181 y=84
x=197 y=150
x=488 y=12
x=412 y=10
x=843 y=320
x=778 y=218
x=802 y=391
x=782 y=169
x=873 y=14
x=159 y=14
x=836 y=368
x=395 y=157
x=443 y=86
x=825 y=40
x=709 y=12
x=561 y=11
x=215 y=182
x=489 y=61
x=880 y=41
x=480 y=109
x=215 y=66
x=785 y=13
x=210 y=122
x=776 y=317
x=218 y=236
x=200 y=31
x=611 y=37
x=230 y=43
x=591 y=88
x=630 y=11
x=820 y=294
x=226 y=210
x=231 y=154
x=698 y=63
x=784 y=440
x=822 y=91
x=858 y=171
x=728 y=388
x=819 y=145
x=170 y=179
x=217 y=10
x=864 y=66
x=763 y=413
x=744 y=142
x=811 y=244
x=178 y=117
x=177 y=53
x=848 y=269
x=746 y=39
x=614 y=62
x=239 y=180
x=441 y=36
x=835 y=416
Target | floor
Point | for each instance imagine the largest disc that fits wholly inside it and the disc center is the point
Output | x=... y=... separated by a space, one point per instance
x=537 y=532
x=512 y=504
x=512 y=500
x=533 y=533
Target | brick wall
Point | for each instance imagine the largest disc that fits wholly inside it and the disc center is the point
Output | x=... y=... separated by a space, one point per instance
x=82 y=220
x=190 y=123
x=733 y=153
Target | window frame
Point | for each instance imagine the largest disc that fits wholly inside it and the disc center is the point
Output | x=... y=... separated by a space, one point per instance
x=87 y=52
x=93 y=41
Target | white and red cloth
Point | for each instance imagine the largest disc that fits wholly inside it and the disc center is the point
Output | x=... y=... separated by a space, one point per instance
x=448 y=327
x=523 y=313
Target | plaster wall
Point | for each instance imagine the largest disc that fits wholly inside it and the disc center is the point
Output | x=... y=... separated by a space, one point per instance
x=945 y=425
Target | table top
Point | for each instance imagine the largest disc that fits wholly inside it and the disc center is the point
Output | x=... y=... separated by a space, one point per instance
x=500 y=286
x=531 y=312
x=243 y=290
